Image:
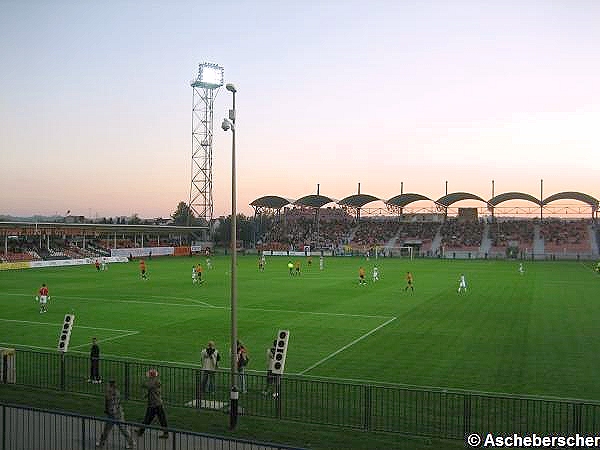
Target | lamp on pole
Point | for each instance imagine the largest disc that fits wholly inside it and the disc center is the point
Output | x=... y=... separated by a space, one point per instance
x=229 y=124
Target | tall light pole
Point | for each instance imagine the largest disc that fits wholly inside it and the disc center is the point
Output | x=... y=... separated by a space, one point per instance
x=229 y=124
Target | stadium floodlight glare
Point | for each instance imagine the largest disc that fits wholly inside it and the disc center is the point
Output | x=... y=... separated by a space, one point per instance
x=210 y=76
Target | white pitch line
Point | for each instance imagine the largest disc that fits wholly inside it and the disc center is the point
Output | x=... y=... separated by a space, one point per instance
x=193 y=300
x=315 y=313
x=108 y=339
x=58 y=324
x=346 y=346
x=207 y=305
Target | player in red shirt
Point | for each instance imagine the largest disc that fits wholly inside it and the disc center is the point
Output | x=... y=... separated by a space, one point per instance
x=43 y=298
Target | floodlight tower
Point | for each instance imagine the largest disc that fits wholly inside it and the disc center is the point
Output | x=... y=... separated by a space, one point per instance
x=205 y=88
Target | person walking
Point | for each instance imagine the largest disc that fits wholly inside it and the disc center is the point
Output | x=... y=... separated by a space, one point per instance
x=95 y=363
x=114 y=411
x=155 y=404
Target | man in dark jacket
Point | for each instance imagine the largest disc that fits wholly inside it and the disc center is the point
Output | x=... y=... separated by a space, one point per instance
x=155 y=404
x=95 y=362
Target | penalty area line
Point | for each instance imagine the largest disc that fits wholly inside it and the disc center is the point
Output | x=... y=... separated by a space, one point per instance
x=367 y=334
x=131 y=333
x=31 y=322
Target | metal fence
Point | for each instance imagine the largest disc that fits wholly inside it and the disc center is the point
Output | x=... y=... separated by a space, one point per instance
x=32 y=428
x=425 y=412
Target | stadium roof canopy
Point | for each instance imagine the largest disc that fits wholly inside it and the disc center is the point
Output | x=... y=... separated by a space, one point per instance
x=494 y=201
x=358 y=200
x=593 y=202
x=271 y=201
x=314 y=201
x=449 y=199
x=405 y=199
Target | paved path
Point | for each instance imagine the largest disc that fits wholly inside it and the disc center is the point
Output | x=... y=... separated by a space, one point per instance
x=32 y=429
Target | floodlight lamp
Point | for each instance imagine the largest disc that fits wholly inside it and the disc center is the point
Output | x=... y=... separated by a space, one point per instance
x=230 y=87
x=209 y=76
x=226 y=125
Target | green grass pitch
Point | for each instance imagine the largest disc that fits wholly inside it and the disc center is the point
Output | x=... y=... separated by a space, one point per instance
x=536 y=333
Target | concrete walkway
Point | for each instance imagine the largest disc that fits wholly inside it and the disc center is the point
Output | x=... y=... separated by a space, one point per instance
x=24 y=428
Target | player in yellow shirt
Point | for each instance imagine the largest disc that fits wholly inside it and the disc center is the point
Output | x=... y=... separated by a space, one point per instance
x=361 y=276
x=410 y=282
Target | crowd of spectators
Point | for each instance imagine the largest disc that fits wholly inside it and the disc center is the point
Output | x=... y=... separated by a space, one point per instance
x=504 y=233
x=461 y=234
x=336 y=230
x=570 y=236
x=374 y=232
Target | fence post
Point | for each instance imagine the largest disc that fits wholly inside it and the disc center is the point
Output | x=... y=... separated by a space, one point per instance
x=4 y=431
x=126 y=381
x=63 y=382
x=577 y=418
x=83 y=433
x=367 y=399
x=467 y=415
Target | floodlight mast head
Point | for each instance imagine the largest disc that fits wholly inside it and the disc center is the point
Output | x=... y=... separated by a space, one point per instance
x=210 y=76
x=230 y=87
x=227 y=125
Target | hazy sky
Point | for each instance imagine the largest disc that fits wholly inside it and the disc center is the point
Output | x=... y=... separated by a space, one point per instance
x=95 y=100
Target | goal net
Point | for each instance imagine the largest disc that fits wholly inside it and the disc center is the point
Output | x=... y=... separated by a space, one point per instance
x=400 y=252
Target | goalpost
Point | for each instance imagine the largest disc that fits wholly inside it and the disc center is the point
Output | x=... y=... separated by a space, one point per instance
x=404 y=251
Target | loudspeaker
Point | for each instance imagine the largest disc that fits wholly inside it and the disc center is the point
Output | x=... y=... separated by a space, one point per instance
x=65 y=333
x=281 y=345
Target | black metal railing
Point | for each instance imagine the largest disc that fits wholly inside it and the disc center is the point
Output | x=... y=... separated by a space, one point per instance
x=415 y=411
x=33 y=428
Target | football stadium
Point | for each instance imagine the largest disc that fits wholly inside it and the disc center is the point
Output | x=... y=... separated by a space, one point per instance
x=277 y=287
x=513 y=350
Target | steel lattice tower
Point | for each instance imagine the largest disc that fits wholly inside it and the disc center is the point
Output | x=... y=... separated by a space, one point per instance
x=204 y=90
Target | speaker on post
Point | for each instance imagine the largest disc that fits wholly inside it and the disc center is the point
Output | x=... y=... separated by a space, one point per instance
x=281 y=345
x=65 y=333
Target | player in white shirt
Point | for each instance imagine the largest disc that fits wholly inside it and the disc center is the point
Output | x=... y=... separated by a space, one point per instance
x=194 y=275
x=462 y=284
x=321 y=262
x=521 y=269
x=375 y=274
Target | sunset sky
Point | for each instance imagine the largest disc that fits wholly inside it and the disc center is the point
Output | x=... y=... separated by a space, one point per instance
x=95 y=100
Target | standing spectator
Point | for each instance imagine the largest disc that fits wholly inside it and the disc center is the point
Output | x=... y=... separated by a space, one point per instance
x=210 y=361
x=114 y=411
x=95 y=362
x=155 y=404
x=242 y=362
x=272 y=387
